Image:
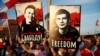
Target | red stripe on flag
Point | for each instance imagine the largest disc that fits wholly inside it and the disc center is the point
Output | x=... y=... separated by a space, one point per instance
x=3 y=15
x=11 y=3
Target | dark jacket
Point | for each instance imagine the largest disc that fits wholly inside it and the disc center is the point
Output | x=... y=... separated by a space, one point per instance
x=69 y=32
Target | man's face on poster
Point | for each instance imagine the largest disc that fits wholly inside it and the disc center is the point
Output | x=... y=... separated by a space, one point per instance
x=29 y=15
x=61 y=20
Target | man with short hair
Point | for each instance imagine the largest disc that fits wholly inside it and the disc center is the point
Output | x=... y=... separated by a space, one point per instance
x=29 y=24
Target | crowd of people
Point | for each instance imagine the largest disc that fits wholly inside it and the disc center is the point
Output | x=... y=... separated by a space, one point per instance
x=89 y=45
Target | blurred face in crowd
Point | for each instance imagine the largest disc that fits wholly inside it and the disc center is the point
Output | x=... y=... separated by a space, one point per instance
x=98 y=41
x=62 y=51
x=37 y=46
x=88 y=43
x=61 y=20
x=29 y=15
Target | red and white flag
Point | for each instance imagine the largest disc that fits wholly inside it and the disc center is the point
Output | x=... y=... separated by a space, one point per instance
x=11 y=3
x=3 y=19
x=8 y=4
x=97 y=23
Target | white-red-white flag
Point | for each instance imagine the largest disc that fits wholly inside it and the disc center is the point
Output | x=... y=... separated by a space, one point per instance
x=9 y=3
x=97 y=23
x=3 y=19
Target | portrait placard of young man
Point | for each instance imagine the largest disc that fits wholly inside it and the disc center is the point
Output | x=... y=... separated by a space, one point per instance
x=29 y=18
x=64 y=28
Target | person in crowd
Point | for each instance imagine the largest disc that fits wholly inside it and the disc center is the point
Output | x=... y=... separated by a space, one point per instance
x=89 y=48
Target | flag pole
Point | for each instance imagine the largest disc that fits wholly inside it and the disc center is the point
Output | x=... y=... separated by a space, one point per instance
x=95 y=29
x=49 y=3
x=9 y=34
